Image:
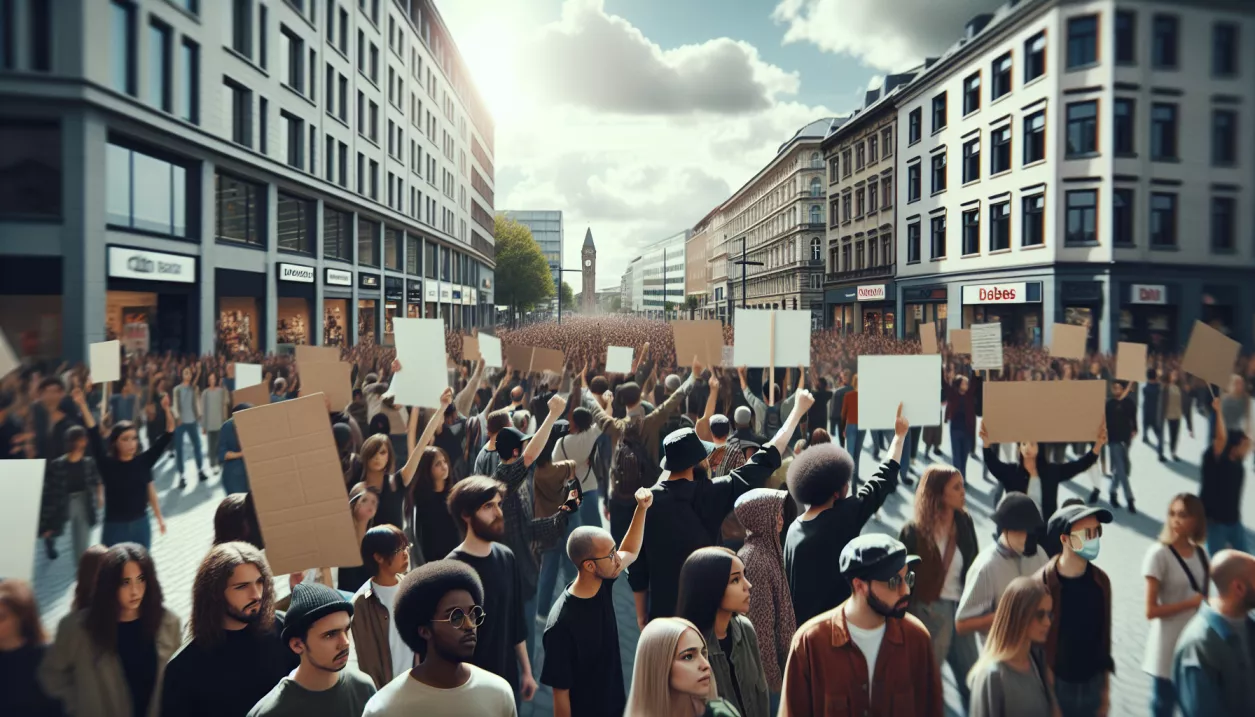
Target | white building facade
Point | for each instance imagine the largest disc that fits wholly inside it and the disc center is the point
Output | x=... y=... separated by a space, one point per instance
x=658 y=275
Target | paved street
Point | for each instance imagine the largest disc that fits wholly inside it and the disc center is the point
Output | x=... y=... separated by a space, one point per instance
x=189 y=515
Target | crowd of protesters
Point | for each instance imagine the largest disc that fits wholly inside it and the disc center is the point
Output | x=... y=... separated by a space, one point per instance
x=730 y=497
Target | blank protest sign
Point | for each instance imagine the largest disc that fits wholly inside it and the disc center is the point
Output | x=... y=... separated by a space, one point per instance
x=1210 y=355
x=22 y=485
x=247 y=374
x=619 y=359
x=490 y=350
x=961 y=341
x=1130 y=361
x=106 y=361
x=1068 y=341
x=792 y=342
x=928 y=338
x=8 y=360
x=700 y=339
x=886 y=381
x=1044 y=411
x=421 y=350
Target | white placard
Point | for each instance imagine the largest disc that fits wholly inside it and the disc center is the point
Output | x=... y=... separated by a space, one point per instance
x=420 y=346
x=22 y=485
x=8 y=359
x=247 y=374
x=106 y=361
x=792 y=342
x=886 y=381
x=729 y=356
x=619 y=359
x=490 y=350
x=986 y=347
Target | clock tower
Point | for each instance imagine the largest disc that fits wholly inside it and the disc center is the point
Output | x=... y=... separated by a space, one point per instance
x=588 y=264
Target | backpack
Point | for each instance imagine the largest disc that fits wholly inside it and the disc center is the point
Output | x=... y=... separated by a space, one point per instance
x=631 y=468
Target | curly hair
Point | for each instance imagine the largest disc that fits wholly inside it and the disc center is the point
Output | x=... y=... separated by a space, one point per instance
x=209 y=592
x=422 y=589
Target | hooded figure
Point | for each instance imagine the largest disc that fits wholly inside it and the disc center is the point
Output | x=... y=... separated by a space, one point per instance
x=761 y=511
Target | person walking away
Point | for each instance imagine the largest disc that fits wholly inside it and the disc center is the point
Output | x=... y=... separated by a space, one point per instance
x=1177 y=580
x=672 y=675
x=1000 y=562
x=215 y=406
x=231 y=455
x=579 y=446
x=1222 y=481
x=1121 y=431
x=381 y=653
x=23 y=645
x=1213 y=666
x=186 y=407
x=1176 y=405
x=849 y=419
x=961 y=415
x=1153 y=398
x=72 y=490
x=761 y=511
x=1011 y=678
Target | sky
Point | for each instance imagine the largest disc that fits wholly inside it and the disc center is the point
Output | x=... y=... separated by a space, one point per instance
x=636 y=118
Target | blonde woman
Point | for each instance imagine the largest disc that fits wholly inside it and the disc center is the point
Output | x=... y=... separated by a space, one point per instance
x=671 y=676
x=1011 y=677
x=1177 y=571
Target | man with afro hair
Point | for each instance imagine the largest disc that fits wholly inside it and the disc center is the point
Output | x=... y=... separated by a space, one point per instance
x=438 y=610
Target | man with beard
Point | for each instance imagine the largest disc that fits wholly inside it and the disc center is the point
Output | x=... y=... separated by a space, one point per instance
x=868 y=643
x=439 y=609
x=234 y=654
x=317 y=629
x=1214 y=664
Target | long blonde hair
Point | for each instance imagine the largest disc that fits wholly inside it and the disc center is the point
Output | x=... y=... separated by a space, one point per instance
x=651 y=694
x=1017 y=608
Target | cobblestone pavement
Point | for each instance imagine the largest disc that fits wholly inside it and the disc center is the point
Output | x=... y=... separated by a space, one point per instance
x=189 y=517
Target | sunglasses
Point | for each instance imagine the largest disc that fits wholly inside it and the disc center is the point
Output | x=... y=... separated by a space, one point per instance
x=459 y=617
x=896 y=581
x=1088 y=533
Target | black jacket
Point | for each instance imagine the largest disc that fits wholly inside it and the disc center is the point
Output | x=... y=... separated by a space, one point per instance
x=54 y=507
x=1121 y=419
x=1014 y=477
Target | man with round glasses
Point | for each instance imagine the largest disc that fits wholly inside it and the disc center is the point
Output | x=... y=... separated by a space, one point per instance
x=438 y=613
x=867 y=655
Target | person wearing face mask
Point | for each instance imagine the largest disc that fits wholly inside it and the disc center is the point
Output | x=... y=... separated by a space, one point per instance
x=1079 y=646
x=1011 y=678
x=1012 y=555
x=1214 y=664
x=233 y=639
x=671 y=676
x=1033 y=475
x=761 y=511
x=581 y=638
x=867 y=655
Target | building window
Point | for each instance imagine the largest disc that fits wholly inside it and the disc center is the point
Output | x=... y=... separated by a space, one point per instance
x=1124 y=121
x=1223 y=210
x=296 y=223
x=241 y=211
x=886 y=141
x=160 y=59
x=1224 y=137
x=860 y=156
x=189 y=87
x=122 y=66
x=337 y=234
x=833 y=169
x=330 y=152
x=413 y=255
x=873 y=153
x=392 y=249
x=1163 y=131
x=971 y=232
x=263 y=113
x=373 y=177
x=374 y=63
x=860 y=202
x=817 y=214
x=1163 y=220
x=30 y=168
x=1000 y=157
x=971 y=98
x=241 y=27
x=292 y=131
x=913 y=182
x=939 y=172
x=263 y=27
x=292 y=55
x=938 y=240
x=1122 y=217
x=848 y=162
x=238 y=105
x=1035 y=57
x=873 y=197
x=1035 y=137
x=939 y=112
x=1164 y=43
x=1001 y=77
x=817 y=188
x=367 y=242
x=1033 y=216
x=1082 y=217
x=971 y=161
x=145 y=193
x=914 y=121
x=886 y=192
x=912 y=243
x=343 y=165
x=1224 y=50
x=1082 y=128
x=1000 y=226
x=1126 y=37
x=816 y=250
x=846 y=199
x=1082 y=41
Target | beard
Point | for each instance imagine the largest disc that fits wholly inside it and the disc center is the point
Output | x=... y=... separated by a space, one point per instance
x=898 y=610
x=488 y=531
x=333 y=667
x=243 y=615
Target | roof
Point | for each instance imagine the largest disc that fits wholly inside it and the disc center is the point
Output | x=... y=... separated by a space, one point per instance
x=588 y=239
x=815 y=130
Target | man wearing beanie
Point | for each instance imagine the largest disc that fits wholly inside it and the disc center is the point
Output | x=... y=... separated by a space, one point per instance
x=317 y=629
x=819 y=481
x=1014 y=554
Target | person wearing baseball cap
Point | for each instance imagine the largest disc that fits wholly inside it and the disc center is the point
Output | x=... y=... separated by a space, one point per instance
x=868 y=642
x=1011 y=556
x=1081 y=594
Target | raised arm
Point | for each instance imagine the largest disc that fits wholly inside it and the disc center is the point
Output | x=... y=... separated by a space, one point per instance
x=537 y=444
x=631 y=545
x=804 y=400
x=418 y=447
x=712 y=398
x=467 y=395
x=873 y=493
x=1222 y=433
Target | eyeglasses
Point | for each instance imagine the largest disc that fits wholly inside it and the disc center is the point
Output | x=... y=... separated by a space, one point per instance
x=896 y=581
x=458 y=618
x=400 y=550
x=1088 y=533
x=614 y=554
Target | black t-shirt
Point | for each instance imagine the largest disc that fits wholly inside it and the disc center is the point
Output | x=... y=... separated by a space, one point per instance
x=20 y=693
x=582 y=652
x=138 y=654
x=725 y=644
x=227 y=679
x=8 y=431
x=391 y=510
x=1221 y=491
x=812 y=550
x=817 y=416
x=75 y=477
x=1081 y=617
x=504 y=625
x=437 y=533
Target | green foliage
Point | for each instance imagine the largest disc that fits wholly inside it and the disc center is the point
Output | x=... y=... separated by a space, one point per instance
x=522 y=274
x=568 y=298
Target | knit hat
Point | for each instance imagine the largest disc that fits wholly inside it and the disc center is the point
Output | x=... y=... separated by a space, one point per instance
x=1017 y=511
x=672 y=382
x=310 y=603
x=742 y=416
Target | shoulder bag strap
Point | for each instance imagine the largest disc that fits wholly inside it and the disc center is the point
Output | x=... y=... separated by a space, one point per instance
x=951 y=543
x=1186 y=568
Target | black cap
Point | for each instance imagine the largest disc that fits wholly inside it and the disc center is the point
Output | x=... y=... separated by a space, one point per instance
x=874 y=556
x=682 y=449
x=311 y=602
x=1017 y=511
x=1067 y=516
x=509 y=440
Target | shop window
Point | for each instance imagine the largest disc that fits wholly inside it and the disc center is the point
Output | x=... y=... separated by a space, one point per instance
x=337 y=234
x=430 y=265
x=296 y=224
x=1082 y=217
x=367 y=242
x=293 y=325
x=392 y=249
x=146 y=193
x=334 y=321
x=241 y=210
x=30 y=168
x=412 y=256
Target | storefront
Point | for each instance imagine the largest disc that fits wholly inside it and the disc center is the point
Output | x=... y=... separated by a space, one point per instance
x=394 y=305
x=1220 y=308
x=337 y=320
x=296 y=297
x=368 y=286
x=923 y=305
x=879 y=315
x=241 y=312
x=446 y=298
x=431 y=299
x=1081 y=304
x=152 y=302
x=30 y=305
x=1148 y=315
x=1016 y=305
x=841 y=307
x=413 y=299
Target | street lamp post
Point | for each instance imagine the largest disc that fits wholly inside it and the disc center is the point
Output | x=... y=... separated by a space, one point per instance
x=560 y=271
x=744 y=263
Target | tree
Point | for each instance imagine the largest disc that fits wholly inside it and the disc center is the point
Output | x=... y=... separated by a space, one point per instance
x=616 y=304
x=691 y=303
x=568 y=297
x=522 y=274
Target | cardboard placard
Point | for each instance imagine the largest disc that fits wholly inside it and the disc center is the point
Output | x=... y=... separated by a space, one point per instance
x=960 y=341
x=106 y=361
x=703 y=339
x=470 y=349
x=420 y=344
x=1068 y=341
x=255 y=395
x=22 y=485
x=986 y=341
x=335 y=380
x=8 y=359
x=1131 y=361
x=886 y=381
x=490 y=350
x=320 y=354
x=619 y=359
x=1044 y=411
x=247 y=374
x=755 y=338
x=1210 y=355
x=297 y=485
x=928 y=338
x=519 y=358
x=551 y=360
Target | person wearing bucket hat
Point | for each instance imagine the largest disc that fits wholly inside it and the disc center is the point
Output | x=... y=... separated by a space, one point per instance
x=868 y=642
x=1000 y=562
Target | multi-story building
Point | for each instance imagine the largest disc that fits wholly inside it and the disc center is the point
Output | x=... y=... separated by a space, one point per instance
x=659 y=274
x=777 y=218
x=630 y=287
x=859 y=293
x=697 y=270
x=225 y=176
x=1098 y=175
x=546 y=228
x=717 y=268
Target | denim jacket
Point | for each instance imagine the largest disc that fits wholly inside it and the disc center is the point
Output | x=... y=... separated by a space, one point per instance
x=1212 y=675
x=749 y=668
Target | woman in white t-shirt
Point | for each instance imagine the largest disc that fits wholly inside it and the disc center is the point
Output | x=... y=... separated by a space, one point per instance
x=1176 y=570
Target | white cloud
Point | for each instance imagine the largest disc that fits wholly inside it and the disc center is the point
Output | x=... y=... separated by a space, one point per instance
x=891 y=36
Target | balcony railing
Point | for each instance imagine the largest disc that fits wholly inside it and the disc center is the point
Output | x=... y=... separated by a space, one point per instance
x=808 y=225
x=883 y=270
x=812 y=194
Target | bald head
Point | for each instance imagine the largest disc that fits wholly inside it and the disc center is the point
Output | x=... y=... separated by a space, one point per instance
x=516 y=394
x=588 y=542
x=1233 y=570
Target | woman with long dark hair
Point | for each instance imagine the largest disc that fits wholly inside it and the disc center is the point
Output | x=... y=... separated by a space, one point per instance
x=1011 y=678
x=715 y=596
x=88 y=567
x=109 y=660
x=127 y=475
x=236 y=520
x=231 y=454
x=22 y=648
x=435 y=534
x=379 y=467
